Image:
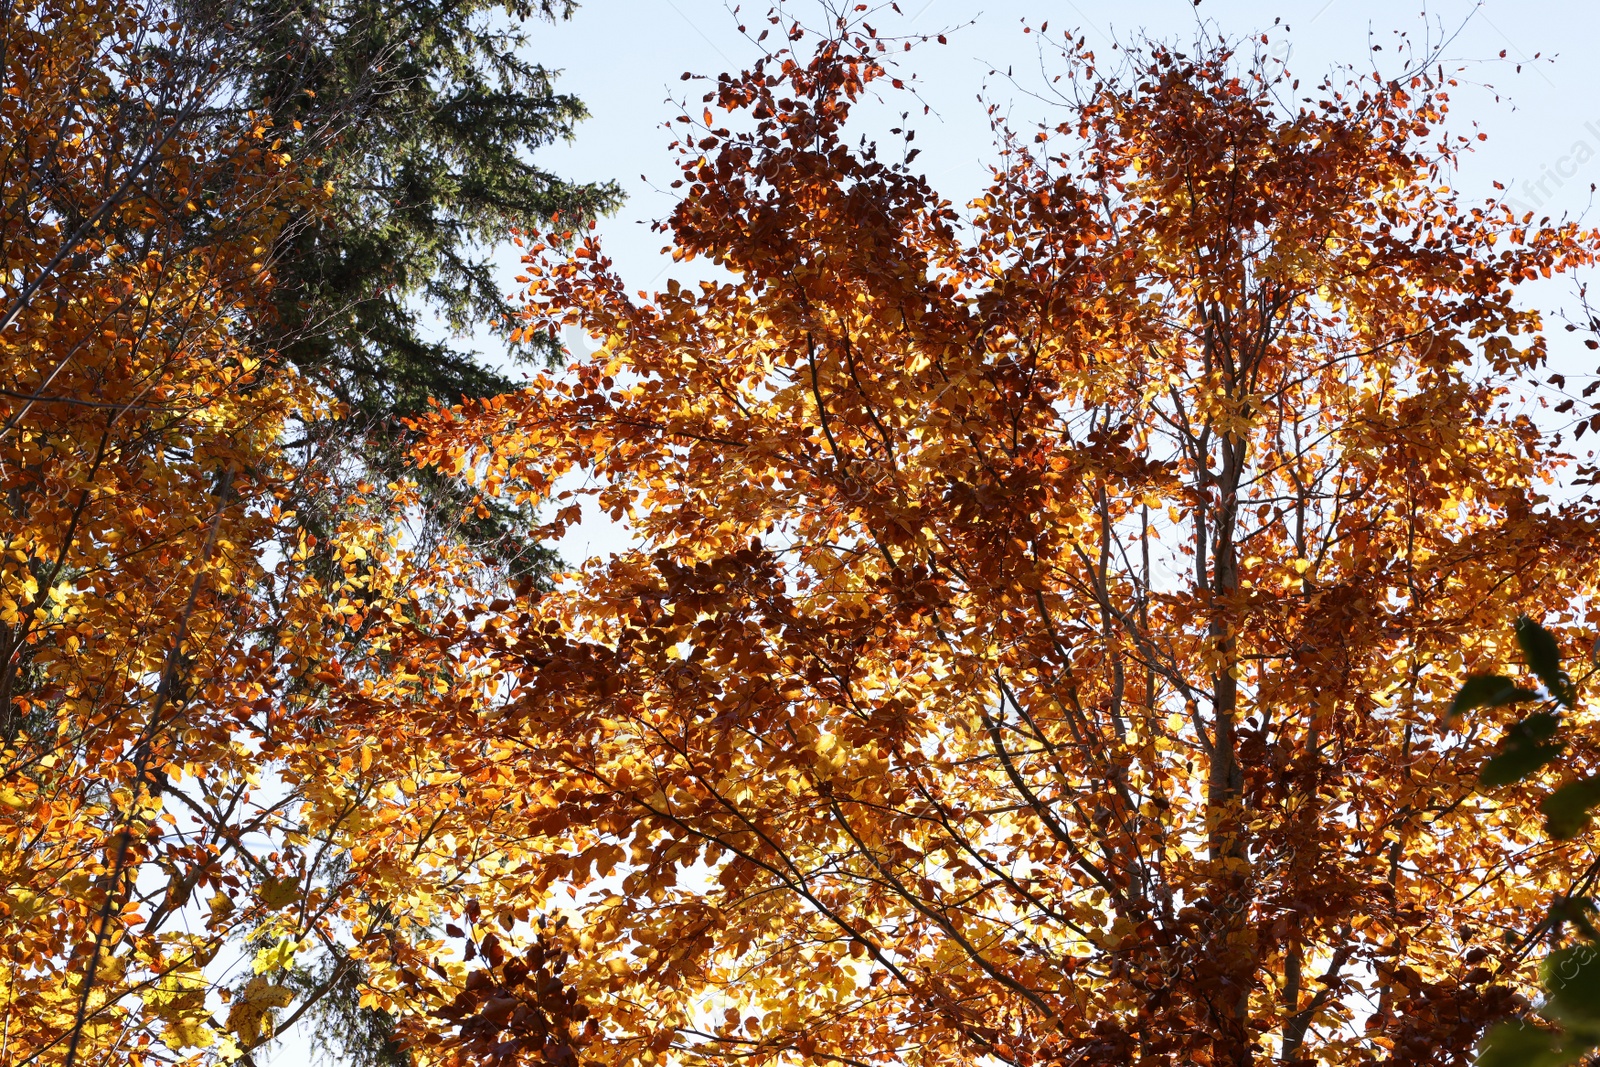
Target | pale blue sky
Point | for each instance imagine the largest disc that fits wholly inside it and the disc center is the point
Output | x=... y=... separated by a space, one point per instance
x=623 y=57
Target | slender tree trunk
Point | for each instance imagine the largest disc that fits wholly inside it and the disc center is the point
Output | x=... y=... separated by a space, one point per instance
x=1232 y=1044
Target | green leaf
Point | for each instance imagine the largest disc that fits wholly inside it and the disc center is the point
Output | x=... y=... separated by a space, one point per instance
x=1539 y=651
x=1520 y=1044
x=1575 y=910
x=1571 y=978
x=1566 y=811
x=1488 y=691
x=1524 y=751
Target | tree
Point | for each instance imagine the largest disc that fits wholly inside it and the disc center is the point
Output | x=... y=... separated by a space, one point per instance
x=426 y=119
x=183 y=706
x=1041 y=620
x=136 y=440
x=215 y=221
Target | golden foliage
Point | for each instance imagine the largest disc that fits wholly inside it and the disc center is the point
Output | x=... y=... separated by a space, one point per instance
x=1040 y=620
x=1033 y=649
x=191 y=687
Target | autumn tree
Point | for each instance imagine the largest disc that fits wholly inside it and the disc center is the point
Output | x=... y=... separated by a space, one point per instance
x=186 y=758
x=1042 y=616
x=132 y=424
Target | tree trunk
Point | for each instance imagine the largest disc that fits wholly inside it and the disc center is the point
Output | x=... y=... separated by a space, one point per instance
x=1232 y=1044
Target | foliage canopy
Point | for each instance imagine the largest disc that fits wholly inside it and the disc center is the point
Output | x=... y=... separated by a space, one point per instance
x=424 y=120
x=1043 y=636
x=189 y=665
x=1041 y=621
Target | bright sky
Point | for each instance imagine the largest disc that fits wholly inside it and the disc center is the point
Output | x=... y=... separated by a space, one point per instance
x=624 y=59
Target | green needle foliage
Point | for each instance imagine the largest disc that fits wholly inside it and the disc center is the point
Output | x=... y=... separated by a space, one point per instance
x=426 y=116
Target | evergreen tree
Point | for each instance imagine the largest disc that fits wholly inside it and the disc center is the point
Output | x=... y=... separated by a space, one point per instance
x=425 y=117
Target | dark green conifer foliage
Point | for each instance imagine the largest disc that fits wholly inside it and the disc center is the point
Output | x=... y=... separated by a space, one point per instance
x=426 y=116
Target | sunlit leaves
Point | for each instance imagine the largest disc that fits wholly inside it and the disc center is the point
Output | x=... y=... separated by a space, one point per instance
x=190 y=741
x=250 y=1016
x=1037 y=613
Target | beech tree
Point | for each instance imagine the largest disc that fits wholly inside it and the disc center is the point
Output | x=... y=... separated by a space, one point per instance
x=137 y=437
x=215 y=221
x=1042 y=616
x=186 y=759
x=1038 y=642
